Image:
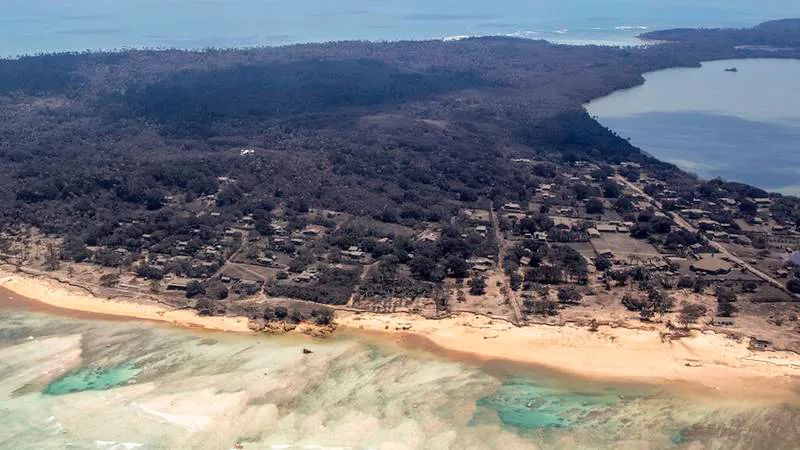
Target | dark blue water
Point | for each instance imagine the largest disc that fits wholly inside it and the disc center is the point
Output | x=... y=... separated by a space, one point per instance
x=28 y=26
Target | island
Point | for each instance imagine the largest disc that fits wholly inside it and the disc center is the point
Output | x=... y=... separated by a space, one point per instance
x=451 y=191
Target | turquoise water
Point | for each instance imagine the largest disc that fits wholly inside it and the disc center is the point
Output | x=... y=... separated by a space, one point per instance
x=742 y=126
x=68 y=382
x=523 y=404
x=92 y=379
x=28 y=26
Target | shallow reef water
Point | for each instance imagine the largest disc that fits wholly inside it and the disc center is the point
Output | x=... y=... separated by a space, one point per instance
x=68 y=382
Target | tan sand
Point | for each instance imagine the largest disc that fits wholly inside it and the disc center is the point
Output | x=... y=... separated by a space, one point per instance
x=59 y=295
x=622 y=354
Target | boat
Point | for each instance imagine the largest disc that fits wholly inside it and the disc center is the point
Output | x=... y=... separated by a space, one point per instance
x=731 y=69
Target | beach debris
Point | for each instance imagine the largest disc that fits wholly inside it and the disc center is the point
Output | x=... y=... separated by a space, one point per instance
x=307 y=351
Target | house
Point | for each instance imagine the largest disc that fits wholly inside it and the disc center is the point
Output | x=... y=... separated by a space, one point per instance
x=718 y=235
x=512 y=207
x=711 y=265
x=540 y=236
x=481 y=267
x=178 y=284
x=265 y=261
x=481 y=229
x=313 y=231
x=525 y=261
x=605 y=253
x=428 y=236
x=759 y=344
x=606 y=228
x=697 y=247
x=354 y=254
x=708 y=224
x=305 y=277
x=720 y=321
x=593 y=233
x=480 y=260
x=693 y=213
x=762 y=201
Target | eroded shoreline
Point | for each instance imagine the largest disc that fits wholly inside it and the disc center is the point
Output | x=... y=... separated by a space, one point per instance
x=704 y=359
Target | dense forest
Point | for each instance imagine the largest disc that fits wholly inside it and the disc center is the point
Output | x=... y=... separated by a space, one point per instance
x=134 y=150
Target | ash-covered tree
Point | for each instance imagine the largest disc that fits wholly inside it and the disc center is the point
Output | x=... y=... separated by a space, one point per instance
x=595 y=206
x=477 y=285
x=726 y=309
x=569 y=294
x=690 y=313
x=74 y=248
x=194 y=288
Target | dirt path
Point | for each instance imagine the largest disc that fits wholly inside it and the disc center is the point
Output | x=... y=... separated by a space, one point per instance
x=502 y=245
x=681 y=222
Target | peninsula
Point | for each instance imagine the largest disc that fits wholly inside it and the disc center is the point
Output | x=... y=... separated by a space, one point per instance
x=451 y=190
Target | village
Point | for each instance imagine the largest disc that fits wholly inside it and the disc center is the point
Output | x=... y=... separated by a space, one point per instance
x=592 y=244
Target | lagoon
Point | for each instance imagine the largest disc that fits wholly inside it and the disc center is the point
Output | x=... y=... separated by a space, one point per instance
x=740 y=126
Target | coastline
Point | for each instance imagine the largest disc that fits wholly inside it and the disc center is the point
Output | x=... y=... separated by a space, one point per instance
x=67 y=298
x=704 y=359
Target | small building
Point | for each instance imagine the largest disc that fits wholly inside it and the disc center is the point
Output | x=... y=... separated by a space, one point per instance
x=428 y=236
x=720 y=321
x=353 y=253
x=712 y=265
x=593 y=233
x=481 y=267
x=759 y=344
x=512 y=207
x=762 y=201
x=313 y=231
x=606 y=228
x=480 y=260
x=605 y=253
x=305 y=277
x=177 y=284
x=694 y=213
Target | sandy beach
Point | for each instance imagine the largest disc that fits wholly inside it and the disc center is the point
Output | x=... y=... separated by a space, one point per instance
x=623 y=354
x=65 y=297
x=613 y=353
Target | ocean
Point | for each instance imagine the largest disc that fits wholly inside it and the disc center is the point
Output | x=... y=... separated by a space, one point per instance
x=740 y=126
x=32 y=26
x=96 y=384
